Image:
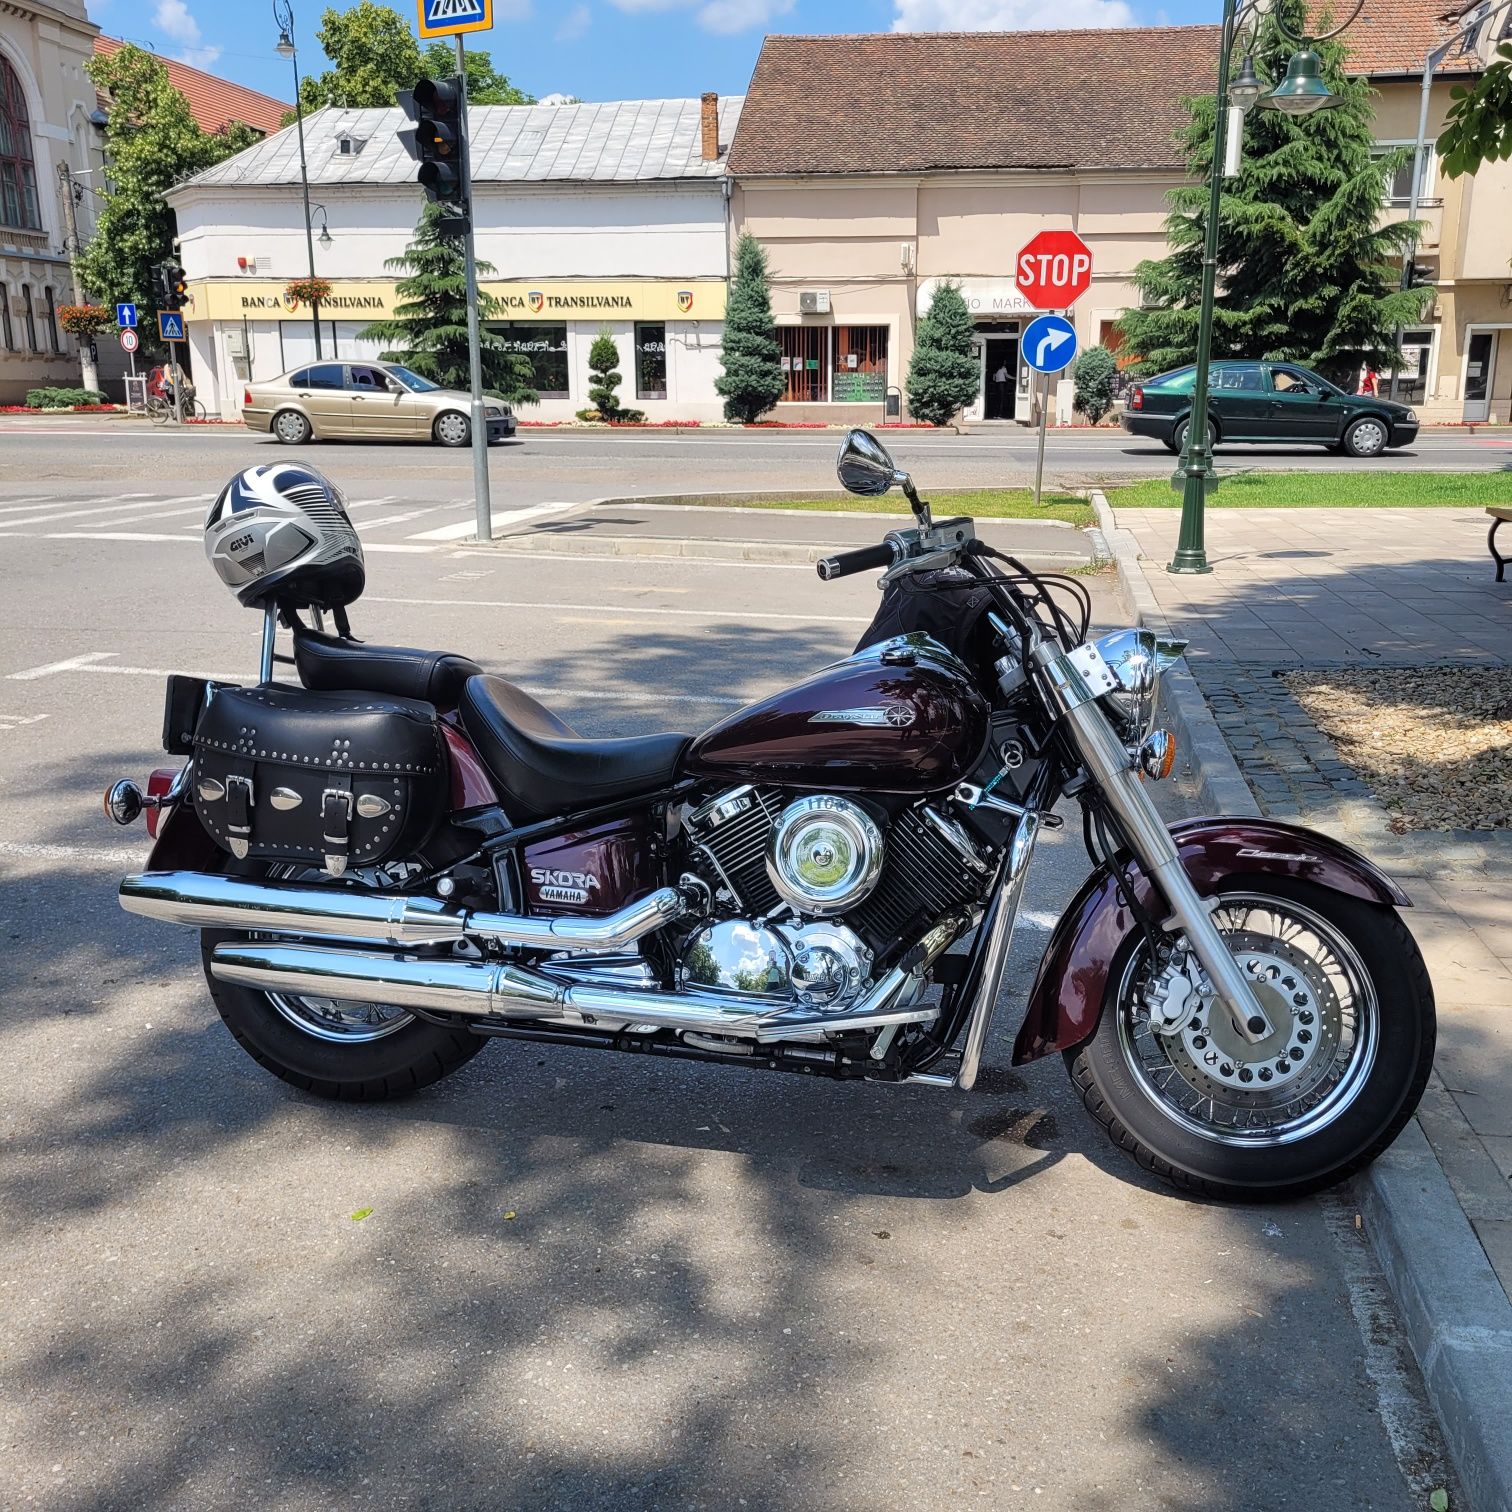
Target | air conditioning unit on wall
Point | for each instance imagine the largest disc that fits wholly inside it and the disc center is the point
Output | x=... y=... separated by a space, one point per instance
x=813 y=301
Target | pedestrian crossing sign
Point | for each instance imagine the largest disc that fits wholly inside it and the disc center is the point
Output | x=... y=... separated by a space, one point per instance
x=445 y=18
x=170 y=325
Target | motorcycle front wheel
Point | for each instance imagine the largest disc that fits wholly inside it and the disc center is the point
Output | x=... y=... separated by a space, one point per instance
x=1352 y=1039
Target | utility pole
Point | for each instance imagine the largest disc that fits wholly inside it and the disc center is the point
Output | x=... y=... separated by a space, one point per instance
x=87 y=365
x=483 y=501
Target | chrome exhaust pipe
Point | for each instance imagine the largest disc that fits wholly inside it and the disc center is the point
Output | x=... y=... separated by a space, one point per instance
x=489 y=989
x=206 y=901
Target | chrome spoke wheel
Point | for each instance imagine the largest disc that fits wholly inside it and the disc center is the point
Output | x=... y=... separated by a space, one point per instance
x=1300 y=1079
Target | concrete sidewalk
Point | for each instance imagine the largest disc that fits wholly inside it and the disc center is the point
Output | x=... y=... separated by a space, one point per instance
x=1319 y=588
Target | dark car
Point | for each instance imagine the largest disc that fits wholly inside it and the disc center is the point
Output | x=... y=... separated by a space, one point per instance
x=1269 y=401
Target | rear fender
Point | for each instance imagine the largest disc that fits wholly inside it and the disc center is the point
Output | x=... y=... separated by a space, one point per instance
x=1067 y=999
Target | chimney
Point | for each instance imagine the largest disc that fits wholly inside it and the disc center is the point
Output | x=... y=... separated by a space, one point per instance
x=709 y=124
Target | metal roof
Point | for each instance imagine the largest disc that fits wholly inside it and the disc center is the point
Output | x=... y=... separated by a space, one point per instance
x=621 y=141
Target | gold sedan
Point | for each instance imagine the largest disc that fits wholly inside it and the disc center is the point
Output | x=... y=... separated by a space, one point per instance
x=366 y=401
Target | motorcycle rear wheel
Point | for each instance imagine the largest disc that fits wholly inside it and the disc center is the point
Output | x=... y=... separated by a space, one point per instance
x=1354 y=1031
x=343 y=1051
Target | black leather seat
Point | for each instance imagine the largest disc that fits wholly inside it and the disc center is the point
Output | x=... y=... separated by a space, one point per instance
x=545 y=767
x=326 y=664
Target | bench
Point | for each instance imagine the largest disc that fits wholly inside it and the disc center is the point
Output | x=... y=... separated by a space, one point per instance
x=1500 y=514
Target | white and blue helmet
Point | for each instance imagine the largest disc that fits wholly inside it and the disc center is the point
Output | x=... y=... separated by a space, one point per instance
x=280 y=534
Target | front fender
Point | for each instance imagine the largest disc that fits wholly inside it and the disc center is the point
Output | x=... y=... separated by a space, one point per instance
x=1067 y=999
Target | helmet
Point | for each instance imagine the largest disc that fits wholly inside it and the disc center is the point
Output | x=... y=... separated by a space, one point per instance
x=280 y=533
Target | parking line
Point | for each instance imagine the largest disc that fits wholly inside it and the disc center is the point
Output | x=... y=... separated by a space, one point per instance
x=72 y=664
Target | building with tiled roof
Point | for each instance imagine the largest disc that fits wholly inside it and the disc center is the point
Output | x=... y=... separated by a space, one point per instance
x=215 y=102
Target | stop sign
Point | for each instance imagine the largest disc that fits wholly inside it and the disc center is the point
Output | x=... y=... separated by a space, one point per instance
x=1053 y=269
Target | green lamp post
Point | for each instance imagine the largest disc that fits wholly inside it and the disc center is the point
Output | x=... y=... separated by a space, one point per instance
x=1299 y=93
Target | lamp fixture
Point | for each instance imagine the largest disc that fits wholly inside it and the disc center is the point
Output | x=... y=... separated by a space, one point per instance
x=1245 y=91
x=1302 y=91
x=285 y=47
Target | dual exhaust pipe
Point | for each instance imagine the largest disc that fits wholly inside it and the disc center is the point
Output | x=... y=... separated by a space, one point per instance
x=490 y=989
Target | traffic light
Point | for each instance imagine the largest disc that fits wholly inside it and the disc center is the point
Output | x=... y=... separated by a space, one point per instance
x=170 y=286
x=437 y=143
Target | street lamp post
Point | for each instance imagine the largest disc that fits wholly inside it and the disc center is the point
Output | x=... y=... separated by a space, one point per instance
x=283 y=15
x=1301 y=92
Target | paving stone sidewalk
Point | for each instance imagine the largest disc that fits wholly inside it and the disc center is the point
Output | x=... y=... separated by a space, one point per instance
x=1404 y=587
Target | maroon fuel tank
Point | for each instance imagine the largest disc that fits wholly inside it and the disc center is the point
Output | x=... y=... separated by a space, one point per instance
x=902 y=716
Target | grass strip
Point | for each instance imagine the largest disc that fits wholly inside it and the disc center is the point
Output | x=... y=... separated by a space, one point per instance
x=1361 y=488
x=980 y=503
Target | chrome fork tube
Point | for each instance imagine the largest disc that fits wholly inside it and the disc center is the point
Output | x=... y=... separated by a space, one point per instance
x=1109 y=764
x=269 y=642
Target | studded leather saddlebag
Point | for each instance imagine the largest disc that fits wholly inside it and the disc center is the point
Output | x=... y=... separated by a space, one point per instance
x=327 y=779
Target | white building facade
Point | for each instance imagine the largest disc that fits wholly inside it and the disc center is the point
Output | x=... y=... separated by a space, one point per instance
x=46 y=105
x=594 y=217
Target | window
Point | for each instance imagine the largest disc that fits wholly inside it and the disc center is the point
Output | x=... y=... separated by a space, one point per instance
x=31 y=319
x=860 y=365
x=18 y=175
x=651 y=361
x=412 y=381
x=1239 y=377
x=7 y=330
x=1178 y=381
x=805 y=360
x=301 y=379
x=369 y=380
x=1409 y=383
x=52 y=320
x=545 y=344
x=325 y=375
x=1399 y=182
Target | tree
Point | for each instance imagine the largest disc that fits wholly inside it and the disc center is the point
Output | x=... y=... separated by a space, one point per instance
x=428 y=329
x=603 y=364
x=753 y=380
x=376 y=55
x=1479 y=125
x=151 y=142
x=1093 y=374
x=1307 y=270
x=943 y=376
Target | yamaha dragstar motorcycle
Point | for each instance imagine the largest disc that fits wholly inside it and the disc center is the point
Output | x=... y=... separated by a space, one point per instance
x=399 y=857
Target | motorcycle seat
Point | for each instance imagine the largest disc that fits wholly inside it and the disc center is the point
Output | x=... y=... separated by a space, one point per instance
x=545 y=767
x=328 y=665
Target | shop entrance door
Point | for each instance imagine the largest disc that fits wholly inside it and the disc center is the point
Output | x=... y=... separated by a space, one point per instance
x=1480 y=363
x=1002 y=377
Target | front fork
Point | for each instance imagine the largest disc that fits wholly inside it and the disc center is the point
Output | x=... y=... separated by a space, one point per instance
x=1111 y=767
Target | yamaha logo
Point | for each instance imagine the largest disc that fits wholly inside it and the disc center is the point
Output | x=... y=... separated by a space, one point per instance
x=900 y=716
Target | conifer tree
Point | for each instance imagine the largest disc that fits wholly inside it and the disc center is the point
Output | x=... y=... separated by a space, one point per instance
x=1093 y=374
x=603 y=387
x=428 y=329
x=1306 y=271
x=943 y=376
x=753 y=380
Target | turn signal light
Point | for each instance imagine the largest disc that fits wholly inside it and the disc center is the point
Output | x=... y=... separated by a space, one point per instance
x=246 y=398
x=1136 y=397
x=1157 y=755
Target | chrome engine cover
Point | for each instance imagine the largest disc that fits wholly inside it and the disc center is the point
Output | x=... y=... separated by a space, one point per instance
x=824 y=854
x=739 y=955
x=830 y=964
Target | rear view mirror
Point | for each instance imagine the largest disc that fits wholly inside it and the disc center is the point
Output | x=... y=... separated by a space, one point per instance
x=864 y=466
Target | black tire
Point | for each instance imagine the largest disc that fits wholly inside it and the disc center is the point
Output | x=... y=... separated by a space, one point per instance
x=291 y=428
x=1179 y=439
x=402 y=1062
x=452 y=428
x=1171 y=447
x=1386 y=1098
x=1367 y=437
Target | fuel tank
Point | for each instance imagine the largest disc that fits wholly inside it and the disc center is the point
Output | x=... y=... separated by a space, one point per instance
x=901 y=716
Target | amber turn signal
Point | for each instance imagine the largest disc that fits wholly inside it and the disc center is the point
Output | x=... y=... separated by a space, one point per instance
x=1157 y=755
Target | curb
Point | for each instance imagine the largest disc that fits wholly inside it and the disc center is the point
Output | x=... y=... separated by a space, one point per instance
x=1456 y=1314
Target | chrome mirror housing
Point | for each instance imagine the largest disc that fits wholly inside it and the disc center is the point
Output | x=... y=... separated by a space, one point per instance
x=865 y=468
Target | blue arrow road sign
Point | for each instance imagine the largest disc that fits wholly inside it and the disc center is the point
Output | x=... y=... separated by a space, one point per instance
x=170 y=325
x=1049 y=343
x=126 y=317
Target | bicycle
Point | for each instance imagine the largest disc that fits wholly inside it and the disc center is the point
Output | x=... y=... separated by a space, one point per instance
x=160 y=410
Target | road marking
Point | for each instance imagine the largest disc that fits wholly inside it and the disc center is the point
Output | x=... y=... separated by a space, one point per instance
x=705 y=614
x=72 y=664
x=645 y=556
x=16 y=721
x=461 y=528
x=22 y=850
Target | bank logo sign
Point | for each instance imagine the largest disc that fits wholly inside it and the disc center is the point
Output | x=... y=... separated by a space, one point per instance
x=685 y=300
x=537 y=301
x=445 y=18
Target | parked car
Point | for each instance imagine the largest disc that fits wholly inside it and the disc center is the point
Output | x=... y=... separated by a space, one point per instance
x=1269 y=401
x=366 y=400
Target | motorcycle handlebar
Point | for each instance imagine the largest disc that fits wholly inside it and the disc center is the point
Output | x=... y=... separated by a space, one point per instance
x=847 y=562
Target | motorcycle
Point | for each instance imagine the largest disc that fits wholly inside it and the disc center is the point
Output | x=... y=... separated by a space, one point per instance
x=400 y=858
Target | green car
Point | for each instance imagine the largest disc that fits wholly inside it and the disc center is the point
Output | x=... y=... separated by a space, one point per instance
x=1269 y=402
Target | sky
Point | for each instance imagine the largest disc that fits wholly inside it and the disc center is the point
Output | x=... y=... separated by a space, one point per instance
x=606 y=49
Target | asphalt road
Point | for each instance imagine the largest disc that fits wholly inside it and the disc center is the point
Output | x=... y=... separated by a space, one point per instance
x=546 y=465
x=586 y=1281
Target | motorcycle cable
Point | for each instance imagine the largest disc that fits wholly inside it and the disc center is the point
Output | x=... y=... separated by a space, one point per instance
x=1044 y=585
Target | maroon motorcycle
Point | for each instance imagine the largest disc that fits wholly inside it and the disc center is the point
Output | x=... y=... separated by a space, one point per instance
x=401 y=857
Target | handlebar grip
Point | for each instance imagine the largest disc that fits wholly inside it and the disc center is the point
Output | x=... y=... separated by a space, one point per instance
x=847 y=562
